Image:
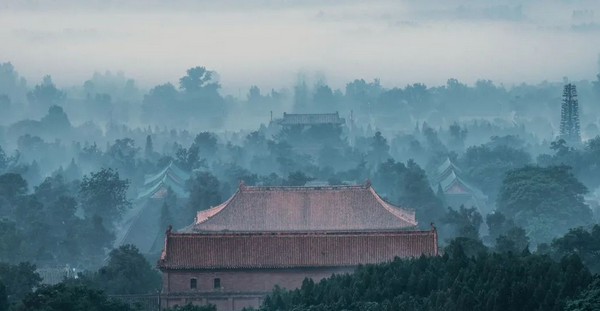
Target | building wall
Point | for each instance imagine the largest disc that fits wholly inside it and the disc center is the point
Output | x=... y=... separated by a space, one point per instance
x=239 y=287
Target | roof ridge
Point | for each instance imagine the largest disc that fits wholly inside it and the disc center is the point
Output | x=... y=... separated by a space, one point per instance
x=301 y=188
x=214 y=210
x=398 y=212
x=299 y=233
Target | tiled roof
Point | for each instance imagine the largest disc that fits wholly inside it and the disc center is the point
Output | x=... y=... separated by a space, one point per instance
x=311 y=119
x=171 y=176
x=452 y=183
x=328 y=208
x=292 y=250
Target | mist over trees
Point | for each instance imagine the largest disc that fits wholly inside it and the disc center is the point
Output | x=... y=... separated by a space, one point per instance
x=76 y=163
x=94 y=143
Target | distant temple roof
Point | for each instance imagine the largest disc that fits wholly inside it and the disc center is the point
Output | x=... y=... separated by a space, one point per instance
x=292 y=250
x=155 y=185
x=140 y=224
x=311 y=119
x=452 y=184
x=328 y=208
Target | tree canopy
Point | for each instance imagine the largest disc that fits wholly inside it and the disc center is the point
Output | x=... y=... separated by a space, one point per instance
x=545 y=201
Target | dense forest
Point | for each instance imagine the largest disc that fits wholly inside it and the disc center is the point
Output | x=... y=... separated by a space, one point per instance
x=78 y=163
x=120 y=119
x=483 y=118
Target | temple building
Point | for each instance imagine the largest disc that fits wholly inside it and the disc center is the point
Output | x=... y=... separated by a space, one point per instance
x=139 y=224
x=235 y=253
x=455 y=191
x=309 y=119
x=310 y=133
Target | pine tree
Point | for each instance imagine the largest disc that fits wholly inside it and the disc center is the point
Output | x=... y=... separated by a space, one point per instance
x=165 y=217
x=149 y=150
x=569 y=116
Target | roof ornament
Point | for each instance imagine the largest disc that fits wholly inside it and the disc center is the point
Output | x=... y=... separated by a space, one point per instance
x=241 y=184
x=169 y=230
x=368 y=183
x=432 y=224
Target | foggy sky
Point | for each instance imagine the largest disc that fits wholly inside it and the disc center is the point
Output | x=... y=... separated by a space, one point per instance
x=269 y=43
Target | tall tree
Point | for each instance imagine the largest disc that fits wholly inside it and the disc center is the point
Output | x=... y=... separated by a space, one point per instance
x=466 y=220
x=4 y=304
x=415 y=192
x=20 y=280
x=149 y=148
x=587 y=300
x=545 y=201
x=569 y=115
x=127 y=272
x=380 y=149
x=206 y=143
x=584 y=243
x=61 y=297
x=104 y=194
x=46 y=94
x=204 y=193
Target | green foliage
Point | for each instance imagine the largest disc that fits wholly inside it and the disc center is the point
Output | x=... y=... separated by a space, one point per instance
x=19 y=280
x=466 y=220
x=189 y=159
x=166 y=219
x=297 y=179
x=104 y=194
x=196 y=79
x=453 y=282
x=149 y=148
x=4 y=304
x=204 y=193
x=379 y=151
x=587 y=300
x=585 y=162
x=408 y=186
x=206 y=143
x=50 y=234
x=46 y=94
x=498 y=225
x=127 y=272
x=11 y=242
x=11 y=186
x=545 y=201
x=72 y=298
x=191 y=307
x=487 y=165
x=582 y=242
x=515 y=240
x=416 y=193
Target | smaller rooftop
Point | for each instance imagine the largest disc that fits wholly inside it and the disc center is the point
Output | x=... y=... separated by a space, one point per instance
x=310 y=119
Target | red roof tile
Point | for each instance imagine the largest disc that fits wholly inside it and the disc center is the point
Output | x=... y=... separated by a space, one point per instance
x=303 y=209
x=292 y=250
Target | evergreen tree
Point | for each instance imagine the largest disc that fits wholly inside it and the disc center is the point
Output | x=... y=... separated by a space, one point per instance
x=166 y=219
x=466 y=277
x=569 y=115
x=149 y=149
x=61 y=297
x=3 y=297
x=104 y=194
x=588 y=300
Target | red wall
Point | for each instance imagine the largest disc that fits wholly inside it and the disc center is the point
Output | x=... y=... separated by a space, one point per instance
x=239 y=288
